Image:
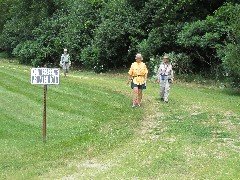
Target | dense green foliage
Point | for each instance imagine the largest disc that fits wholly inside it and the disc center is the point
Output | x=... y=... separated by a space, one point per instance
x=229 y=53
x=215 y=41
x=103 y=34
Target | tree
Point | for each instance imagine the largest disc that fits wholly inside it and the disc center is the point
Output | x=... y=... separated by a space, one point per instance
x=115 y=38
x=214 y=42
x=5 y=15
x=229 y=52
x=163 y=20
x=71 y=28
x=25 y=16
x=200 y=39
x=104 y=34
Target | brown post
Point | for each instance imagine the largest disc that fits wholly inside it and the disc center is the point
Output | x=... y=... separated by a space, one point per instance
x=44 y=114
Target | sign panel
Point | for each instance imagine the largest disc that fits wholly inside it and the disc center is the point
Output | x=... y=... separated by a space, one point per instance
x=45 y=76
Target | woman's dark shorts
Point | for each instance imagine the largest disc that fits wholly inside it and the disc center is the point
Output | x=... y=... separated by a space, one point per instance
x=143 y=86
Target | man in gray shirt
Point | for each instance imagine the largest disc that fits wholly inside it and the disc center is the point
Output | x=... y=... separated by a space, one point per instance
x=165 y=77
x=65 y=62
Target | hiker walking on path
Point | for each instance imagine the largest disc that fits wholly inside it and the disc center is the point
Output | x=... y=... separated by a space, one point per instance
x=65 y=62
x=138 y=76
x=165 y=78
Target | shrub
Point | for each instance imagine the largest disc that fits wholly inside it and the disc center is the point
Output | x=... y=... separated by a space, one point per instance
x=115 y=37
x=229 y=53
x=31 y=52
x=90 y=59
x=182 y=63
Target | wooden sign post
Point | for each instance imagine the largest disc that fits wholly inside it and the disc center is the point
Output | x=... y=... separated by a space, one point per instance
x=45 y=76
x=45 y=114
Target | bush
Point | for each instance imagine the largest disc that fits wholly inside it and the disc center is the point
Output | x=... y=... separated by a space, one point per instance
x=22 y=18
x=90 y=59
x=230 y=57
x=31 y=52
x=200 y=39
x=160 y=40
x=70 y=27
x=115 y=37
x=229 y=53
x=26 y=51
x=182 y=63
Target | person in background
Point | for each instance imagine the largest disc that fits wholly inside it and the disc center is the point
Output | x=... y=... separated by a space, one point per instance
x=138 y=76
x=165 y=78
x=65 y=62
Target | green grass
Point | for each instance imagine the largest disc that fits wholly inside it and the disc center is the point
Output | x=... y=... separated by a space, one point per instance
x=93 y=133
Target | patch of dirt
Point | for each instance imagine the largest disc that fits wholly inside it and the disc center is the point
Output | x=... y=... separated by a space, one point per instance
x=91 y=164
x=229 y=114
x=228 y=124
x=170 y=139
x=150 y=120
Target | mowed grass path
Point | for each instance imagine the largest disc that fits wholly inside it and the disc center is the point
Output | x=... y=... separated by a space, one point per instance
x=93 y=133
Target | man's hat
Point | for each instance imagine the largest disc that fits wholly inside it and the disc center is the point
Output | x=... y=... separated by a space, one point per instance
x=65 y=50
x=165 y=57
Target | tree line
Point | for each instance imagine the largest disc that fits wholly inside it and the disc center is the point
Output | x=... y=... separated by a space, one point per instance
x=199 y=36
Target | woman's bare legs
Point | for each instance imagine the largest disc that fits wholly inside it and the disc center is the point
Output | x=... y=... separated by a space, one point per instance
x=139 y=97
x=135 y=95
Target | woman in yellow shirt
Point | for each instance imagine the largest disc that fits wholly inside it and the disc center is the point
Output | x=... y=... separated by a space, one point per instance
x=138 y=76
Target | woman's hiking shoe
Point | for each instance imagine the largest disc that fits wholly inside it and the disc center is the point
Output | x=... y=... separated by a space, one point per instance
x=134 y=104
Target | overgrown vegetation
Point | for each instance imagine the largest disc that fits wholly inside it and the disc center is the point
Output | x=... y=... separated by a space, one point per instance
x=101 y=34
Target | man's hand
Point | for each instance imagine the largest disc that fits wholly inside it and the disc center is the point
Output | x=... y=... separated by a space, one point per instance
x=128 y=81
x=158 y=81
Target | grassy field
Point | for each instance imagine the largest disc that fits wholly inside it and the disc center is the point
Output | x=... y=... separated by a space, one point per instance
x=93 y=133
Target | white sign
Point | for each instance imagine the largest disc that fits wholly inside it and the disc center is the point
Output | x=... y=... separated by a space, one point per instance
x=45 y=76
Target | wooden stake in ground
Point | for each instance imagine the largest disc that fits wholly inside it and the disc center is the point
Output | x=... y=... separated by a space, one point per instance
x=45 y=114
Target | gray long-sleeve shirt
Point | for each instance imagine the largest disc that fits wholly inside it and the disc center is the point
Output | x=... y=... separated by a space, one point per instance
x=165 y=69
